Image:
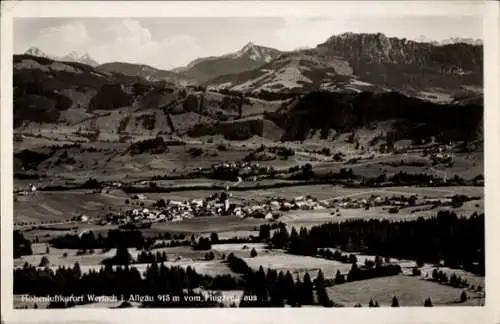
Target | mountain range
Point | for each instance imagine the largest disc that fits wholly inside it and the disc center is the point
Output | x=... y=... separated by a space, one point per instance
x=346 y=62
x=359 y=62
x=70 y=57
x=451 y=40
x=346 y=82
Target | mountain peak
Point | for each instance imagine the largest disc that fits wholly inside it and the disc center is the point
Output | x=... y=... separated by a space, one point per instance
x=256 y=52
x=85 y=58
x=72 y=55
x=248 y=46
x=35 y=51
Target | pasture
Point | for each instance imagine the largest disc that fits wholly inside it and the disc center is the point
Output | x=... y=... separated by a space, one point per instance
x=410 y=291
x=465 y=166
x=296 y=264
x=308 y=218
x=177 y=256
x=47 y=206
x=426 y=270
x=242 y=250
x=209 y=224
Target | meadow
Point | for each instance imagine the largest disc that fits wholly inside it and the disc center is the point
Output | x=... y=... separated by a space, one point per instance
x=410 y=291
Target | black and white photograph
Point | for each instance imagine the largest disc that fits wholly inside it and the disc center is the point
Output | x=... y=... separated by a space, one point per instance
x=287 y=161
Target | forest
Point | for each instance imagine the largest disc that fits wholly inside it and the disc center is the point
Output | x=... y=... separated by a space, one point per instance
x=459 y=241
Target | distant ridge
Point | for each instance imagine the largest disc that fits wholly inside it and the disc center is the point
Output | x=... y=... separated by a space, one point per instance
x=367 y=62
x=249 y=57
x=70 y=57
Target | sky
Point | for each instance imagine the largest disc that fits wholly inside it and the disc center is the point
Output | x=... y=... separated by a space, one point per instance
x=172 y=42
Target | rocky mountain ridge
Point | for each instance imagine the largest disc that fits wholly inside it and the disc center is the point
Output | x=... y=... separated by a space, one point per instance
x=70 y=57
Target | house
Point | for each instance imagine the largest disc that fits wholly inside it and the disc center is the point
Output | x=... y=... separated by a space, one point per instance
x=275 y=204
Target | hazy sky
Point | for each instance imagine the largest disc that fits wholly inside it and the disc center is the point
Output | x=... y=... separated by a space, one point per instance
x=172 y=42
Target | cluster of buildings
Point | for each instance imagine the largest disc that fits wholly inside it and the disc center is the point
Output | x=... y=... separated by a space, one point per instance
x=244 y=169
x=271 y=209
x=174 y=211
x=373 y=201
x=440 y=154
x=216 y=205
x=30 y=189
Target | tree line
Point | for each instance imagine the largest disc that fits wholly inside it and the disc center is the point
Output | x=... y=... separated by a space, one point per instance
x=458 y=241
x=277 y=289
x=157 y=280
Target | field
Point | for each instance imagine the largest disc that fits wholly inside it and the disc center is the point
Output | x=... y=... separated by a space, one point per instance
x=298 y=265
x=59 y=206
x=177 y=256
x=410 y=291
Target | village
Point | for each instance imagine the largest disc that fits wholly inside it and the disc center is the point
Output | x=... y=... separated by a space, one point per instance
x=221 y=204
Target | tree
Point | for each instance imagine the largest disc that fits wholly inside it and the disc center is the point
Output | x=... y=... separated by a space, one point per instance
x=160 y=203
x=77 y=272
x=214 y=238
x=264 y=232
x=47 y=250
x=435 y=274
x=395 y=302
x=209 y=256
x=307 y=290
x=253 y=253
x=323 y=298
x=203 y=244
x=122 y=256
x=463 y=296
x=44 y=262
x=339 y=278
x=428 y=302
x=371 y=303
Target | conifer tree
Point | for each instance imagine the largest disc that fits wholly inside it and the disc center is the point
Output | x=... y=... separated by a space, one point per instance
x=463 y=296
x=44 y=262
x=307 y=290
x=395 y=302
x=323 y=298
x=339 y=278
